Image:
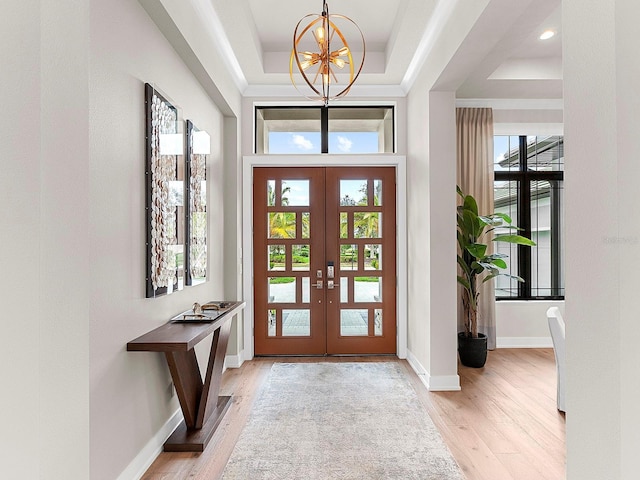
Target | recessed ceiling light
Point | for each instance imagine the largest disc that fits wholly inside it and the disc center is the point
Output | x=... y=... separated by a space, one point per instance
x=547 y=34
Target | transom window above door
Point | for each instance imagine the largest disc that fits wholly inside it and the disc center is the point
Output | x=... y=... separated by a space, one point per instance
x=336 y=130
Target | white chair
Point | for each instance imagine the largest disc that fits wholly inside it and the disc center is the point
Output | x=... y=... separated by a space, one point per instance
x=556 y=326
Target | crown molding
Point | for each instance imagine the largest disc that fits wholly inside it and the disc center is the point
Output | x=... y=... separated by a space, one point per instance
x=357 y=91
x=512 y=103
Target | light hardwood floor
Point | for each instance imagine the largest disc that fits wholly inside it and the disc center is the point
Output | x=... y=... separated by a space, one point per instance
x=502 y=425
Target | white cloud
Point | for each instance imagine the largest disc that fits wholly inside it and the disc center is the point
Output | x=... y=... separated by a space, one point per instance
x=344 y=144
x=301 y=142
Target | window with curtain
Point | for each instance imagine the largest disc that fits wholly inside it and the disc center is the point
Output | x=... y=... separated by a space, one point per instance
x=333 y=129
x=528 y=186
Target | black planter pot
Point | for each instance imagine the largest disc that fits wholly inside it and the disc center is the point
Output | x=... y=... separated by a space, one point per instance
x=472 y=351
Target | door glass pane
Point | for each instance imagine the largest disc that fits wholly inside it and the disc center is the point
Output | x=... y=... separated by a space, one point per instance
x=372 y=257
x=296 y=323
x=276 y=258
x=300 y=258
x=377 y=192
x=271 y=193
x=344 y=289
x=353 y=192
x=282 y=290
x=354 y=322
x=295 y=193
x=305 y=224
x=348 y=257
x=306 y=289
x=271 y=319
x=282 y=224
x=344 y=225
x=377 y=322
x=367 y=224
x=367 y=289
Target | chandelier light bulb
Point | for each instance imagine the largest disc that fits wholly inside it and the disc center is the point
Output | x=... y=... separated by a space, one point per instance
x=338 y=62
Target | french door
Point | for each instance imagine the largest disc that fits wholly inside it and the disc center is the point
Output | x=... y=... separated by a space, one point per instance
x=324 y=242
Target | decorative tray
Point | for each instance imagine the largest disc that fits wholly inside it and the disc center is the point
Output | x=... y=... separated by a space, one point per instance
x=205 y=313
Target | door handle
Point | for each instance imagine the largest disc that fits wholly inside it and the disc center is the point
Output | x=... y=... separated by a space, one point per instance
x=331 y=285
x=319 y=285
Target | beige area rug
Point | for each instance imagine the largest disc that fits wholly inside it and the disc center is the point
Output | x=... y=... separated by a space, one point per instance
x=342 y=421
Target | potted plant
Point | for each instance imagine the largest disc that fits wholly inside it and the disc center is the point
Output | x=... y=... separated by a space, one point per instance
x=477 y=267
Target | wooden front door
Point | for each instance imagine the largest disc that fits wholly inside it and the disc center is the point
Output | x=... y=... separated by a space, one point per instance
x=324 y=260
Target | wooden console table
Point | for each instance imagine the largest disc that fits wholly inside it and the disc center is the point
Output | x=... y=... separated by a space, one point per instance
x=201 y=406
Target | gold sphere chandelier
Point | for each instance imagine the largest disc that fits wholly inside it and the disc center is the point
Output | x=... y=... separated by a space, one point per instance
x=321 y=32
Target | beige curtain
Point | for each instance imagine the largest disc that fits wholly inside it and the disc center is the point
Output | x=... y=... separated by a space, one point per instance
x=475 y=177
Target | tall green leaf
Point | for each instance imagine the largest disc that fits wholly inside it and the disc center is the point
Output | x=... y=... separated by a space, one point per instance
x=478 y=250
x=471 y=204
x=503 y=216
x=517 y=239
x=498 y=262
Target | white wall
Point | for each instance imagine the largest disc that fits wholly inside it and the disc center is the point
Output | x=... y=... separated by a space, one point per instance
x=431 y=170
x=602 y=151
x=76 y=404
x=418 y=231
x=523 y=324
x=130 y=391
x=43 y=238
x=20 y=233
x=431 y=173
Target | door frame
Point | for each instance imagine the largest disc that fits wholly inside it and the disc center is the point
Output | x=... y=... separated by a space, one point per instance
x=377 y=160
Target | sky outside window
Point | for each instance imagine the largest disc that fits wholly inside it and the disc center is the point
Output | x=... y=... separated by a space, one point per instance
x=353 y=142
x=294 y=142
x=309 y=142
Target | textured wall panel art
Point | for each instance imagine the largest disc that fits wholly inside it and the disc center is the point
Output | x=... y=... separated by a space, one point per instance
x=164 y=195
x=198 y=149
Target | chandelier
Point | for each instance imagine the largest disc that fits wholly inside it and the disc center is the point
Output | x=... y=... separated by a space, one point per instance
x=317 y=68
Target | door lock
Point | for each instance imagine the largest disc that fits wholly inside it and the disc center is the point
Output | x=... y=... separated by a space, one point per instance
x=330 y=270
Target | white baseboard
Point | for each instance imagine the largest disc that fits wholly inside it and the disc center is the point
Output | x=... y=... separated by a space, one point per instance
x=234 y=361
x=141 y=463
x=434 y=383
x=524 y=342
x=444 y=383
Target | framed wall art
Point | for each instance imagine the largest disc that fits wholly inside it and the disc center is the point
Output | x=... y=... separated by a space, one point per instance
x=165 y=195
x=198 y=149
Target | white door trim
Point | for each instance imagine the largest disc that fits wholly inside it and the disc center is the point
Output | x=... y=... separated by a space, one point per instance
x=376 y=160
